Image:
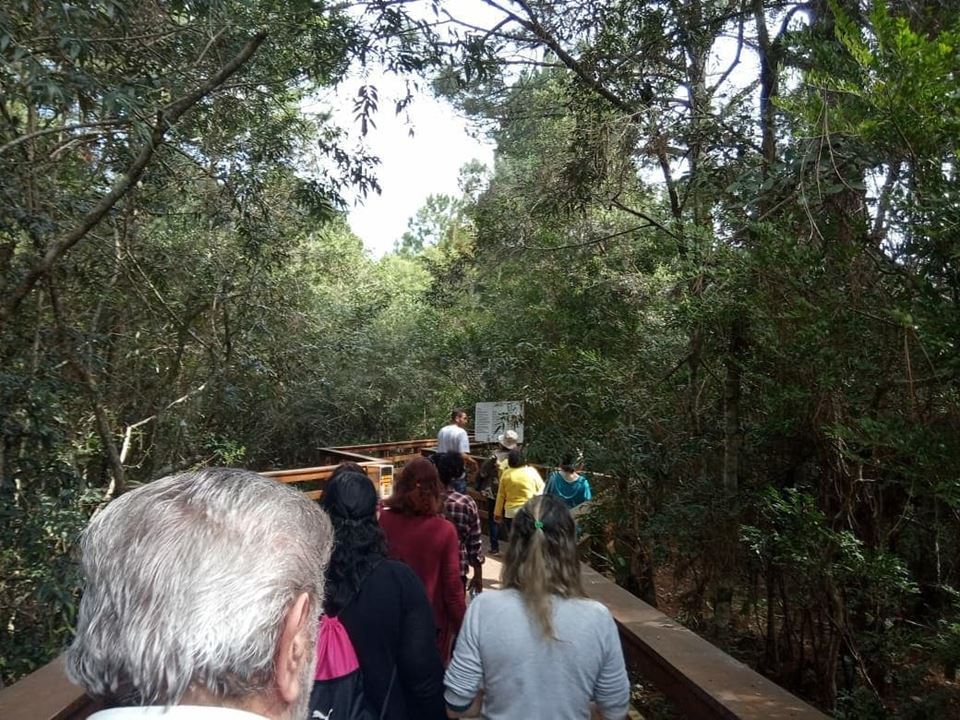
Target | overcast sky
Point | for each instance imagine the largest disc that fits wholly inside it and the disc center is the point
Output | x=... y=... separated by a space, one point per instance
x=412 y=166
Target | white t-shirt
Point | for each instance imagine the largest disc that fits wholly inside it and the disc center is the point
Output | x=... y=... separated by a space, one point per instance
x=175 y=712
x=452 y=438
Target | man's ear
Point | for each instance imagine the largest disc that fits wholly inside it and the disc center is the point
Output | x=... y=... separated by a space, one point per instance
x=293 y=649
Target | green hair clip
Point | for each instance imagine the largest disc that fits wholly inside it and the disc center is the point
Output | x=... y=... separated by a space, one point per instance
x=538 y=525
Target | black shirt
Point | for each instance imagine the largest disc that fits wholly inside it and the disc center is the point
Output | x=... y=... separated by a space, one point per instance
x=390 y=624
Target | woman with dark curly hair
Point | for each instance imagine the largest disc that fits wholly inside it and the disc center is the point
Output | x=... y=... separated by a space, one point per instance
x=420 y=536
x=383 y=607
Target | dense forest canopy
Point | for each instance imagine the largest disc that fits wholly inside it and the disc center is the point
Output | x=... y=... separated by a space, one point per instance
x=717 y=250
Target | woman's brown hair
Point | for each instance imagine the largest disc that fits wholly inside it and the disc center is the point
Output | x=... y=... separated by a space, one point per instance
x=542 y=558
x=417 y=490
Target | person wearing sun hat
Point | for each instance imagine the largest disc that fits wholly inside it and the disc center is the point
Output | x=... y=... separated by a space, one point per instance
x=488 y=482
x=508 y=440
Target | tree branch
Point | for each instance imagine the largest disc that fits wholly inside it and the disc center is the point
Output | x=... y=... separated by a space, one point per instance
x=99 y=412
x=533 y=26
x=643 y=216
x=878 y=231
x=61 y=128
x=586 y=243
x=166 y=118
x=734 y=62
x=128 y=433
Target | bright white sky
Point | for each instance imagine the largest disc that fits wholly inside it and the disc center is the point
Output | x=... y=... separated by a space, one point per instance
x=412 y=167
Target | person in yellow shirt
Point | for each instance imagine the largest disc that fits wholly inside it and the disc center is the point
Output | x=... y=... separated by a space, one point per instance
x=518 y=483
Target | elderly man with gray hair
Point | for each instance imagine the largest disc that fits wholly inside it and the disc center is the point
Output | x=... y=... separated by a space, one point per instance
x=202 y=596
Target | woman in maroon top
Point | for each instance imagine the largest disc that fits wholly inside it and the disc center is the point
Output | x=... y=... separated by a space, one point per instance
x=421 y=537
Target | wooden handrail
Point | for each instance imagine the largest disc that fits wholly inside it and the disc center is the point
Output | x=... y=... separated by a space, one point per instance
x=379 y=447
x=378 y=470
x=46 y=694
x=696 y=676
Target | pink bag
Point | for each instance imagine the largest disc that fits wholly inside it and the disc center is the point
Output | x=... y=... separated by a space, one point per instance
x=335 y=654
x=338 y=683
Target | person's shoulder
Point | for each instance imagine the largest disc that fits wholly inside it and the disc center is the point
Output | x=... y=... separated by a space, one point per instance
x=591 y=610
x=398 y=572
x=395 y=581
x=494 y=601
x=443 y=524
x=443 y=528
x=458 y=498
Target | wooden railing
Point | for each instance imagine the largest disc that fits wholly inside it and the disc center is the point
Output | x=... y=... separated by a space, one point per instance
x=697 y=677
x=694 y=675
x=312 y=480
x=397 y=453
x=46 y=694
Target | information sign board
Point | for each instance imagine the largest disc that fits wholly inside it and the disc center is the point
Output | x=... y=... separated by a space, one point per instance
x=492 y=419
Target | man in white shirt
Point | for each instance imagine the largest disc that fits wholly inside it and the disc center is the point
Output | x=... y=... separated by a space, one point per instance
x=201 y=600
x=453 y=438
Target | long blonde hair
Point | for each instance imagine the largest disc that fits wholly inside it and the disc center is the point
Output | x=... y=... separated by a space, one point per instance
x=541 y=558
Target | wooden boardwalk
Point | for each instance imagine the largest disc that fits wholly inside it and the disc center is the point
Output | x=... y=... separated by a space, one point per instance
x=697 y=677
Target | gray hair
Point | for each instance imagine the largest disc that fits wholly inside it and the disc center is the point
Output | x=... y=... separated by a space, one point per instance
x=188 y=581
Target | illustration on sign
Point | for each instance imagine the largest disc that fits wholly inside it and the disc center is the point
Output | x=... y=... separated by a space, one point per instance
x=492 y=419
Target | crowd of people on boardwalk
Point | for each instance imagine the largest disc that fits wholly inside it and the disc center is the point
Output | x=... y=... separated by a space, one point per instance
x=223 y=594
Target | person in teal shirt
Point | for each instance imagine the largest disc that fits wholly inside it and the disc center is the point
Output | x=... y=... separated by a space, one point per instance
x=568 y=482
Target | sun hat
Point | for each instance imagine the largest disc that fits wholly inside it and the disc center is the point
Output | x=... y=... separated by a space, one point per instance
x=509 y=439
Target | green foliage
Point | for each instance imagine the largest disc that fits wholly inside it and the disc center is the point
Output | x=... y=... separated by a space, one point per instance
x=754 y=338
x=39 y=587
x=193 y=319
x=740 y=300
x=438 y=220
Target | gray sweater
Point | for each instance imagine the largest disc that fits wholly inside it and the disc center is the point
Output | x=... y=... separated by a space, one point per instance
x=502 y=651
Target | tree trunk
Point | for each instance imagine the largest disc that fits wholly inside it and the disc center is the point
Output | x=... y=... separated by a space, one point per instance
x=118 y=484
x=732 y=435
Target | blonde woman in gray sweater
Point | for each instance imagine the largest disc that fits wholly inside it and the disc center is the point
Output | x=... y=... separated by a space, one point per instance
x=538 y=649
